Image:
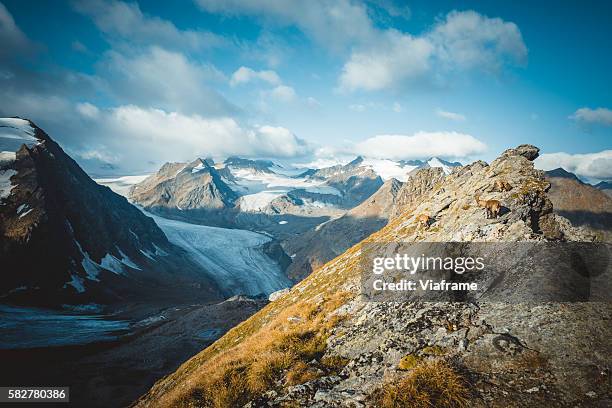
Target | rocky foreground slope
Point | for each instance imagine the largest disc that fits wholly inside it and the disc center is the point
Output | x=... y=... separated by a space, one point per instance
x=324 y=344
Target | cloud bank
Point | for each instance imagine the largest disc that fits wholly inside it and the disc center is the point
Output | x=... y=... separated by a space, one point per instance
x=420 y=145
x=590 y=165
x=599 y=116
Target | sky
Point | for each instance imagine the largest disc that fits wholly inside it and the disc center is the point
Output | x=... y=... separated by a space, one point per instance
x=127 y=86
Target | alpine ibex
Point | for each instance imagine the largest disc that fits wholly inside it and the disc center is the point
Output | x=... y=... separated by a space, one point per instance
x=493 y=207
x=423 y=219
x=502 y=185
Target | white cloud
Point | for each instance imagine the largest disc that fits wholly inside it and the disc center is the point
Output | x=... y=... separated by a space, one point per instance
x=244 y=75
x=420 y=145
x=283 y=93
x=127 y=22
x=357 y=107
x=397 y=108
x=313 y=102
x=333 y=24
x=450 y=115
x=394 y=58
x=590 y=165
x=138 y=139
x=462 y=41
x=164 y=79
x=467 y=39
x=601 y=116
x=191 y=135
x=88 y=110
x=78 y=46
x=393 y=8
x=13 y=40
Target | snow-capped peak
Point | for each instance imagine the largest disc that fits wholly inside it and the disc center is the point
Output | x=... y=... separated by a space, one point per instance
x=15 y=132
x=435 y=162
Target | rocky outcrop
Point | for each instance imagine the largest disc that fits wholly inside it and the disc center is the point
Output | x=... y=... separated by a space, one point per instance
x=66 y=239
x=324 y=344
x=420 y=183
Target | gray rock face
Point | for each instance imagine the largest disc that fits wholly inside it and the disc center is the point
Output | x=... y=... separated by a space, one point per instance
x=194 y=186
x=530 y=152
x=415 y=187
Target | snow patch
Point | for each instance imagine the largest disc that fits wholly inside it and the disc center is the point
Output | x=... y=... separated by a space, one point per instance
x=148 y=254
x=21 y=208
x=5 y=182
x=16 y=132
x=387 y=169
x=25 y=213
x=324 y=190
x=258 y=201
x=197 y=168
x=77 y=283
x=122 y=185
x=127 y=261
x=7 y=157
x=91 y=268
x=112 y=264
x=116 y=265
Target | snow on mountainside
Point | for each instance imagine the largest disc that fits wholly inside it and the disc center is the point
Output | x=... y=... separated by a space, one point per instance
x=258 y=183
x=236 y=259
x=15 y=132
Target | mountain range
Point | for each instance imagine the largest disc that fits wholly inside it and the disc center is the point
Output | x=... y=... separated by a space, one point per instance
x=325 y=343
x=195 y=233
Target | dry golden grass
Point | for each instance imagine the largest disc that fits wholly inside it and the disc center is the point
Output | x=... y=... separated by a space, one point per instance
x=274 y=355
x=301 y=373
x=430 y=384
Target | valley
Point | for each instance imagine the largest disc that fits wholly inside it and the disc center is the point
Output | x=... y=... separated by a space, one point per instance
x=146 y=271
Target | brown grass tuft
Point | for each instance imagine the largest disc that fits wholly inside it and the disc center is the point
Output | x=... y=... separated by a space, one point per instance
x=431 y=384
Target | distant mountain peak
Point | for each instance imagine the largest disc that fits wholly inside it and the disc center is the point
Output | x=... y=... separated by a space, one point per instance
x=356 y=161
x=562 y=173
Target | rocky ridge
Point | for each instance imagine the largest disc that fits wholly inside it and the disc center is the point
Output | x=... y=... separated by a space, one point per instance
x=352 y=350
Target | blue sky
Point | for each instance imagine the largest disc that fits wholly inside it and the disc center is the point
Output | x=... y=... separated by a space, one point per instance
x=126 y=86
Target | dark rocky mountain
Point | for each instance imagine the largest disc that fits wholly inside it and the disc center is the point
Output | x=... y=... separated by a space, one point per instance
x=584 y=205
x=605 y=186
x=562 y=173
x=66 y=239
x=237 y=163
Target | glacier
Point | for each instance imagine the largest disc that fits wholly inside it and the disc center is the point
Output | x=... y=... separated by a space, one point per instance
x=234 y=258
